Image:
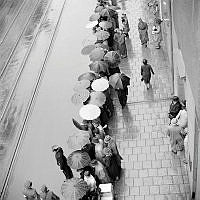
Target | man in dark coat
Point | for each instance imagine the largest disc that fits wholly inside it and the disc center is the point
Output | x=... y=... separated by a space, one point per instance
x=62 y=161
x=146 y=71
x=174 y=108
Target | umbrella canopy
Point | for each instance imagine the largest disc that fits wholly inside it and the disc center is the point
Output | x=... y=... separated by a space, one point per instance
x=99 y=66
x=102 y=35
x=106 y=12
x=114 y=7
x=80 y=96
x=78 y=140
x=87 y=76
x=87 y=49
x=97 y=54
x=100 y=85
x=80 y=85
x=101 y=45
x=97 y=98
x=119 y=81
x=82 y=127
x=91 y=24
x=98 y=9
x=78 y=159
x=89 y=112
x=74 y=188
x=105 y=24
x=89 y=40
x=94 y=17
x=112 y=57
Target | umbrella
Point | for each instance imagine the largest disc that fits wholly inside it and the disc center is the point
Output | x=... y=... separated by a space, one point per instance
x=98 y=9
x=99 y=66
x=94 y=17
x=89 y=112
x=119 y=81
x=100 y=85
x=80 y=85
x=112 y=57
x=87 y=76
x=78 y=140
x=78 y=159
x=74 y=188
x=80 y=96
x=91 y=24
x=89 y=40
x=101 y=45
x=106 y=12
x=105 y=24
x=102 y=35
x=82 y=127
x=97 y=54
x=97 y=98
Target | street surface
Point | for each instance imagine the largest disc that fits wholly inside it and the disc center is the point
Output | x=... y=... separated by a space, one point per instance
x=36 y=110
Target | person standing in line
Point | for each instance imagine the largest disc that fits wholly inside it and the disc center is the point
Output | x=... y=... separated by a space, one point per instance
x=174 y=108
x=146 y=71
x=143 y=32
x=174 y=133
x=122 y=45
x=62 y=161
x=116 y=40
x=29 y=192
x=157 y=33
x=126 y=27
x=46 y=194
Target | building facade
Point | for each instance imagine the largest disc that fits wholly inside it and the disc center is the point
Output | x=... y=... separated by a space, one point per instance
x=181 y=22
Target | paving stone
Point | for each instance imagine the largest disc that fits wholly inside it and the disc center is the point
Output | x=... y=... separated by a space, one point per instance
x=133 y=173
x=157 y=180
x=166 y=163
x=164 y=148
x=129 y=181
x=142 y=157
x=156 y=164
x=151 y=156
x=134 y=191
x=139 y=197
x=160 y=155
x=146 y=164
x=123 y=144
x=162 y=172
x=149 y=197
x=132 y=143
x=138 y=165
x=150 y=142
x=174 y=189
x=138 y=181
x=155 y=149
x=177 y=179
x=164 y=189
x=161 y=197
x=144 y=190
x=154 y=189
x=146 y=149
x=185 y=179
x=129 y=198
x=167 y=180
x=153 y=172
x=158 y=141
x=125 y=158
x=148 y=181
x=140 y=143
x=128 y=165
x=143 y=173
x=132 y=158
x=137 y=150
x=128 y=151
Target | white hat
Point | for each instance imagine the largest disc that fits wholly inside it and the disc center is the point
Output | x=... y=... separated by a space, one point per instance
x=100 y=85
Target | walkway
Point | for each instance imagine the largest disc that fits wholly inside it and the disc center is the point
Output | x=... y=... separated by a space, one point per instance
x=150 y=172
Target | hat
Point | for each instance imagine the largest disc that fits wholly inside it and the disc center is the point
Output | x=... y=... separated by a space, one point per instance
x=175 y=98
x=174 y=121
x=107 y=138
x=28 y=184
x=54 y=147
x=44 y=188
x=107 y=151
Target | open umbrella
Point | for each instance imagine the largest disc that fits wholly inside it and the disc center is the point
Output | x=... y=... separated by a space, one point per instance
x=97 y=54
x=97 y=98
x=78 y=159
x=80 y=96
x=91 y=24
x=89 y=40
x=94 y=17
x=100 y=85
x=99 y=66
x=87 y=49
x=78 y=140
x=80 y=85
x=106 y=12
x=112 y=57
x=74 y=189
x=119 y=81
x=114 y=7
x=89 y=112
x=105 y=24
x=87 y=76
x=101 y=45
x=102 y=35
x=98 y=9
x=82 y=127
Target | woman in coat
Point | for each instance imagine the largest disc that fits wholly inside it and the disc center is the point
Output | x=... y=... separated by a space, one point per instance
x=122 y=45
x=125 y=24
x=143 y=32
x=157 y=33
x=146 y=71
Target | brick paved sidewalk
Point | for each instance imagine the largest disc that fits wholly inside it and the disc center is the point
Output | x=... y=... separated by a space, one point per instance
x=150 y=171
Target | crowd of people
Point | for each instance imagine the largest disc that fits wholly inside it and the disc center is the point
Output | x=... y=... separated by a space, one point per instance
x=109 y=48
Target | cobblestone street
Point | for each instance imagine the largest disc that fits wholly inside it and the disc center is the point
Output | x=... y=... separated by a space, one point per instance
x=150 y=171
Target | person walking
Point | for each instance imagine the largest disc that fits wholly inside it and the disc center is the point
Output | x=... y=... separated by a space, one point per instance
x=125 y=24
x=29 y=192
x=143 y=32
x=146 y=71
x=174 y=133
x=157 y=33
x=62 y=161
x=46 y=194
x=122 y=45
x=174 y=108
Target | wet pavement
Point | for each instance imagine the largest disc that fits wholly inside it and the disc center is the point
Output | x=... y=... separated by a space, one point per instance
x=37 y=84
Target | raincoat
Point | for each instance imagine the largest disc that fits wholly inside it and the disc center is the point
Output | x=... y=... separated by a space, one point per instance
x=146 y=71
x=122 y=46
x=143 y=32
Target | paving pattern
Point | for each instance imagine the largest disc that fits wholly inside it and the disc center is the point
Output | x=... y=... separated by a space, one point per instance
x=150 y=171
